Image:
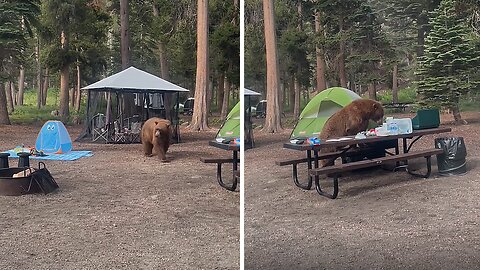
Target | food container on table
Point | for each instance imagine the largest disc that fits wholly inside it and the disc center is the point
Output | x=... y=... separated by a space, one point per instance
x=392 y=126
x=313 y=141
x=381 y=130
x=404 y=125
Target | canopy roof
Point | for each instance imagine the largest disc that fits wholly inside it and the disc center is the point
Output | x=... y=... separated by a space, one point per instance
x=319 y=109
x=248 y=92
x=134 y=80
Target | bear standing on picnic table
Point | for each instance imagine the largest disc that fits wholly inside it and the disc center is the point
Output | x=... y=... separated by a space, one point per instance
x=350 y=120
x=156 y=135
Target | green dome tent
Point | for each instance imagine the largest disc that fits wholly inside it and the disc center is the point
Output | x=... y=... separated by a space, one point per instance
x=231 y=127
x=319 y=109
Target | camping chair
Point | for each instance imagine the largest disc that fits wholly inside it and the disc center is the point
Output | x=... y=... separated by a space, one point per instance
x=134 y=127
x=100 y=127
x=119 y=136
x=129 y=132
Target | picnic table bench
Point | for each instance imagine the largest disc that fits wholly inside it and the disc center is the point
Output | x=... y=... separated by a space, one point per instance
x=336 y=170
x=349 y=149
x=234 y=160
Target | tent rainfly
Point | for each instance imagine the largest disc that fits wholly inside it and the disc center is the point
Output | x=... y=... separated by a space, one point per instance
x=149 y=92
x=231 y=126
x=319 y=109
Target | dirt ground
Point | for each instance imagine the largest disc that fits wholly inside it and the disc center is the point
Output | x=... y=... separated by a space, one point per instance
x=380 y=220
x=120 y=210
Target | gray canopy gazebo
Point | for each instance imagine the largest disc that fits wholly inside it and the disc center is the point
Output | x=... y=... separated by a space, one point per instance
x=152 y=96
x=249 y=143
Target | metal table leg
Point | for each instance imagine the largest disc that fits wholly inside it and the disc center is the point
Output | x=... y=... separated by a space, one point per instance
x=309 y=165
x=234 y=177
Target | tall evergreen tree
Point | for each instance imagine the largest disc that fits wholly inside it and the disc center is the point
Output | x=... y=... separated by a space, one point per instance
x=449 y=58
x=13 y=40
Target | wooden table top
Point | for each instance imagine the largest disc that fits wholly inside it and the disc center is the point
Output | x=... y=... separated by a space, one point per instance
x=372 y=139
x=225 y=146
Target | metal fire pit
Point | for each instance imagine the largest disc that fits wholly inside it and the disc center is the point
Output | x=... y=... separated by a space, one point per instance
x=38 y=181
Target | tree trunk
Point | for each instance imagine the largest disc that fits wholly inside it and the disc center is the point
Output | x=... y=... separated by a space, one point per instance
x=39 y=76
x=342 y=75
x=457 y=116
x=209 y=97
x=124 y=34
x=46 y=78
x=78 y=96
x=4 y=119
x=72 y=97
x=14 y=94
x=296 y=108
x=372 y=91
x=321 y=84
x=272 y=119
x=291 y=96
x=21 y=86
x=395 y=84
x=64 y=111
x=221 y=92
x=125 y=52
x=421 y=22
x=226 y=99
x=168 y=100
x=162 y=57
x=8 y=90
x=200 y=113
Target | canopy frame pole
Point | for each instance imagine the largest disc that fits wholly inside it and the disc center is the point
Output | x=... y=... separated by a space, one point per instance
x=176 y=120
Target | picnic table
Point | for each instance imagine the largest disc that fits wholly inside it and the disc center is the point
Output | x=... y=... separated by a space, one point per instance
x=349 y=143
x=234 y=148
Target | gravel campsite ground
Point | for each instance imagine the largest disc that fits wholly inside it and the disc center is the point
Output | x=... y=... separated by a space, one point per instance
x=381 y=220
x=120 y=210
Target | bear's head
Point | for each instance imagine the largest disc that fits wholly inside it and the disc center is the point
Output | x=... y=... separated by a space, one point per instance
x=377 y=112
x=162 y=129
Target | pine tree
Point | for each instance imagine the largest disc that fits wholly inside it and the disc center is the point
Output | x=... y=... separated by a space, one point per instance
x=449 y=58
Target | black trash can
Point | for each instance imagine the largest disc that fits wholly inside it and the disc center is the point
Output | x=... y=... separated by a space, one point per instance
x=452 y=161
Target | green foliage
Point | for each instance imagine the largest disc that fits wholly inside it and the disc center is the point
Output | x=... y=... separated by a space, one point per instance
x=12 y=33
x=449 y=59
x=30 y=114
x=405 y=95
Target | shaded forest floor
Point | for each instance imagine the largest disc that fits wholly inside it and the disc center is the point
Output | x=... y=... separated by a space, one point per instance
x=381 y=220
x=120 y=210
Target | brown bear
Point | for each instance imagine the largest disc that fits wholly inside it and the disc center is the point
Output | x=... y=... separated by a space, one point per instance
x=156 y=135
x=350 y=120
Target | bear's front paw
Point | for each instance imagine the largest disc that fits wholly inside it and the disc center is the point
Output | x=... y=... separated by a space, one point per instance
x=164 y=160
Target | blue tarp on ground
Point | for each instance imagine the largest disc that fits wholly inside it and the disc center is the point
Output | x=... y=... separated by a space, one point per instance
x=72 y=155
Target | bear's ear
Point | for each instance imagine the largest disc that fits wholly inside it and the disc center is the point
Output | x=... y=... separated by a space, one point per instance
x=375 y=105
x=156 y=123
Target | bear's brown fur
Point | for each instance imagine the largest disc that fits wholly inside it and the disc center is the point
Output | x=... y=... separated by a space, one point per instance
x=350 y=120
x=156 y=136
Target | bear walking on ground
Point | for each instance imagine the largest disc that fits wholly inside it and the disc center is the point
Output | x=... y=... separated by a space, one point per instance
x=156 y=136
x=350 y=120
